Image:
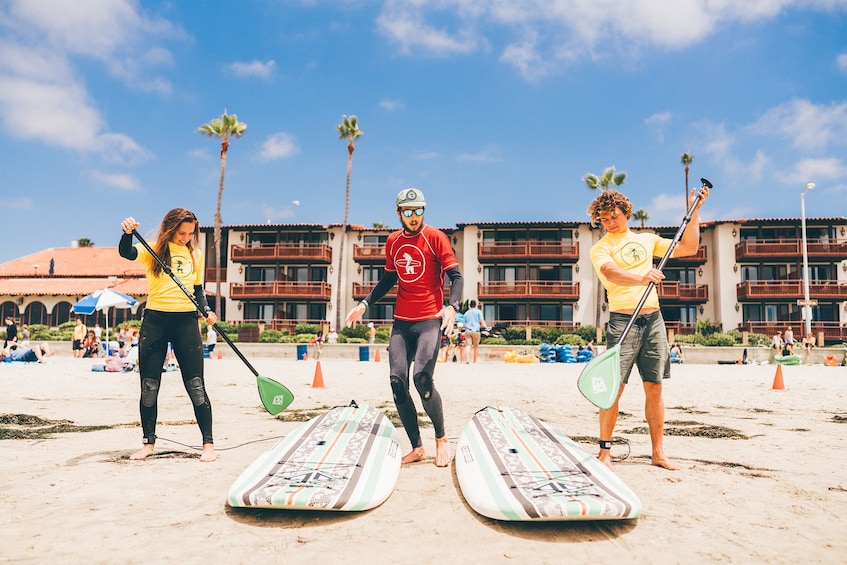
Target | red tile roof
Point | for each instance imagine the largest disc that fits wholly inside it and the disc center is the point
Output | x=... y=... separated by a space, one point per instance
x=76 y=272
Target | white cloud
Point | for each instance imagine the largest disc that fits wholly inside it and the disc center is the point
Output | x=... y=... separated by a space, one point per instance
x=659 y=122
x=279 y=146
x=271 y=214
x=403 y=23
x=119 y=182
x=252 y=69
x=23 y=203
x=391 y=105
x=814 y=170
x=841 y=62
x=808 y=126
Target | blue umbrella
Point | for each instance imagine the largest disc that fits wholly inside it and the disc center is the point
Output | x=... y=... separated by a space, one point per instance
x=103 y=300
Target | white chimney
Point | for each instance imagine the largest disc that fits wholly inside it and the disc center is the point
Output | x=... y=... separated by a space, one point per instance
x=74 y=244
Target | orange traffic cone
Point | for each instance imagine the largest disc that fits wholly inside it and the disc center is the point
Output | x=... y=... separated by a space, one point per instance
x=777 y=379
x=376 y=356
x=318 y=381
x=220 y=354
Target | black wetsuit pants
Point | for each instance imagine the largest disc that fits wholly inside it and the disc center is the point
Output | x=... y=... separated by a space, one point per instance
x=182 y=331
x=418 y=343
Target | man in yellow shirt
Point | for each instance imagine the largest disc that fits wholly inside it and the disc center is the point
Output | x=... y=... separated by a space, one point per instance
x=624 y=262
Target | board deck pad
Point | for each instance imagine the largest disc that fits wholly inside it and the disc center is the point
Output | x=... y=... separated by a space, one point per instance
x=345 y=459
x=512 y=466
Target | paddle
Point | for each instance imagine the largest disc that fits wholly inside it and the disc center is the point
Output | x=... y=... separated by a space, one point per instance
x=275 y=396
x=600 y=380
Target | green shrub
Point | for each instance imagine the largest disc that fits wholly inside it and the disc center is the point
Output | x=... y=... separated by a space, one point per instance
x=271 y=336
x=307 y=329
x=353 y=340
x=588 y=333
x=533 y=341
x=493 y=341
x=572 y=339
x=359 y=331
x=383 y=333
x=304 y=338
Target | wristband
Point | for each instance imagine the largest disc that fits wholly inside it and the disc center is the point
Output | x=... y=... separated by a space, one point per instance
x=365 y=302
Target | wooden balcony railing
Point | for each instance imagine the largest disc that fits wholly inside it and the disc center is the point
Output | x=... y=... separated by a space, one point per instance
x=790 y=248
x=281 y=289
x=833 y=332
x=312 y=252
x=698 y=258
x=529 y=289
x=793 y=289
x=369 y=253
x=210 y=274
x=698 y=293
x=523 y=250
x=361 y=290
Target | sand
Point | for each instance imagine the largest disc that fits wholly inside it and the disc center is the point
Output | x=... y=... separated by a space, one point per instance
x=762 y=474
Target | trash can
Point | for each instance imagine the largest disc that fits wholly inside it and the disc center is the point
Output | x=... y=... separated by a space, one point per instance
x=301 y=351
x=364 y=353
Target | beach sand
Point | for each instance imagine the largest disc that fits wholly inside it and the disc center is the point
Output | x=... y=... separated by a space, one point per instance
x=762 y=477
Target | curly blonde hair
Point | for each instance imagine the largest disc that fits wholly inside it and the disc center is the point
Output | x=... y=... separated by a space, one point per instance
x=608 y=201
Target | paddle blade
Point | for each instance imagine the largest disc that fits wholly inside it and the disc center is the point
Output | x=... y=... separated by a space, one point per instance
x=600 y=380
x=275 y=397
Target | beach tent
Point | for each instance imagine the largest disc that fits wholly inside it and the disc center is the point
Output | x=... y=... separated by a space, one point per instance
x=103 y=300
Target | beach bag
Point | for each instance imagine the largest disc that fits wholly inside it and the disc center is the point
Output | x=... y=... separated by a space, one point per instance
x=114 y=365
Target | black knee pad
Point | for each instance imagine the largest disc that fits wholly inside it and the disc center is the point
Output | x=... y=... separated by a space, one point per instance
x=149 y=392
x=401 y=395
x=423 y=382
x=195 y=391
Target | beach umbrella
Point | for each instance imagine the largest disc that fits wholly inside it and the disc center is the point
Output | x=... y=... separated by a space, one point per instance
x=102 y=300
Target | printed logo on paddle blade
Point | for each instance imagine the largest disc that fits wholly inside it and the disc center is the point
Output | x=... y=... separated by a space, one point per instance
x=598 y=385
x=279 y=400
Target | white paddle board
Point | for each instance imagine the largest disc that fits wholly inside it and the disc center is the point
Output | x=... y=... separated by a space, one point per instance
x=512 y=466
x=345 y=459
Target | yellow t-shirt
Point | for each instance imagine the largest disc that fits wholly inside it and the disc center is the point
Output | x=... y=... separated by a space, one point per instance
x=163 y=294
x=634 y=253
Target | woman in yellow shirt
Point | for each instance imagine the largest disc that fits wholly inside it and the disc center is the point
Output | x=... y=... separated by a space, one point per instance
x=171 y=317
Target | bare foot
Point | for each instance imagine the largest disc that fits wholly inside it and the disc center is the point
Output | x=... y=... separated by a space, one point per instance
x=142 y=453
x=417 y=454
x=665 y=463
x=605 y=457
x=442 y=452
x=208 y=452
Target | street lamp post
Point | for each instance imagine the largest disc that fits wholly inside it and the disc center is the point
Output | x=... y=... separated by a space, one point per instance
x=807 y=309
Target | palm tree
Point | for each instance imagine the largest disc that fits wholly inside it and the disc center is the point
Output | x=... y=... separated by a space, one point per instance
x=348 y=130
x=686 y=160
x=84 y=242
x=641 y=214
x=604 y=182
x=226 y=127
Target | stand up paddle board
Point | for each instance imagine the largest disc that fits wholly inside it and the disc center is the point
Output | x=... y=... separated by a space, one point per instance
x=512 y=466
x=344 y=459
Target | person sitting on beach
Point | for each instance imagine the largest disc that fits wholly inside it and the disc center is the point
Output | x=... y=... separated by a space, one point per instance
x=34 y=354
x=91 y=346
x=676 y=354
x=808 y=344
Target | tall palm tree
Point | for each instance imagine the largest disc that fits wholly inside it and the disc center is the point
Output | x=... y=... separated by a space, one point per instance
x=641 y=214
x=226 y=127
x=348 y=130
x=686 y=159
x=604 y=182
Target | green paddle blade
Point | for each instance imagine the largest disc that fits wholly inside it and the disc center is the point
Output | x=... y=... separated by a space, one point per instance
x=275 y=397
x=600 y=380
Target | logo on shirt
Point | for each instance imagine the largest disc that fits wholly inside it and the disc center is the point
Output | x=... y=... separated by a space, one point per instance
x=633 y=253
x=181 y=265
x=409 y=262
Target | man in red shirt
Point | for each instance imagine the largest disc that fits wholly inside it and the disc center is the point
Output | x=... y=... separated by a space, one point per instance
x=416 y=259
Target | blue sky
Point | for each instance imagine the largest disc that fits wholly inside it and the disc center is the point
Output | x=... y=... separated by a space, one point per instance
x=495 y=109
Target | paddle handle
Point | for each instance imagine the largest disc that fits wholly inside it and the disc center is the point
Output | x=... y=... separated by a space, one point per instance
x=193 y=300
x=661 y=265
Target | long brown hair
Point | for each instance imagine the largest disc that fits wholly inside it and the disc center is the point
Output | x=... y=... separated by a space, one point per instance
x=170 y=225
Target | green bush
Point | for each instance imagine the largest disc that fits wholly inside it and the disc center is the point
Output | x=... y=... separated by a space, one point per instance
x=572 y=339
x=304 y=338
x=493 y=341
x=353 y=340
x=588 y=333
x=307 y=329
x=383 y=333
x=533 y=341
x=359 y=331
x=271 y=336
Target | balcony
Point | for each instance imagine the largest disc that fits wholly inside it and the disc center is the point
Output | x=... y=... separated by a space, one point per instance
x=684 y=292
x=281 y=289
x=361 y=290
x=491 y=251
x=790 y=290
x=286 y=252
x=210 y=275
x=698 y=258
x=529 y=289
x=369 y=253
x=833 y=332
x=768 y=249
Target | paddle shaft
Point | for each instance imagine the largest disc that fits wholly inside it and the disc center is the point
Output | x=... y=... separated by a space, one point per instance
x=193 y=299
x=664 y=260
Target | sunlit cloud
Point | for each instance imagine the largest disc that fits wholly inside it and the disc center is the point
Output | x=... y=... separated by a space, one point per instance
x=119 y=182
x=257 y=69
x=278 y=146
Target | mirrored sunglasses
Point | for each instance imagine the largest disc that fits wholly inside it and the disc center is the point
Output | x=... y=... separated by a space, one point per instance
x=407 y=212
